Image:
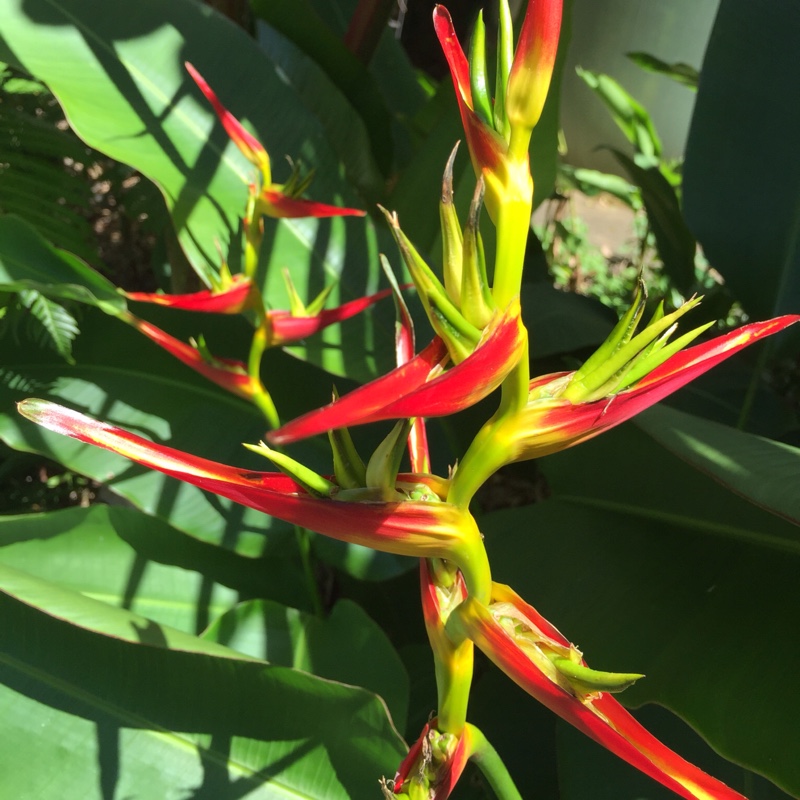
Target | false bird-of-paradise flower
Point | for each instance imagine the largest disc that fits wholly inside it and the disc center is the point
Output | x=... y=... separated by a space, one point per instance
x=487 y=147
x=421 y=387
x=537 y=657
x=550 y=422
x=274 y=200
x=240 y=294
x=286 y=326
x=426 y=528
x=228 y=373
x=498 y=132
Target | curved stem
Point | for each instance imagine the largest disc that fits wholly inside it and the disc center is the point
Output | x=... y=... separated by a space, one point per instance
x=261 y=397
x=491 y=765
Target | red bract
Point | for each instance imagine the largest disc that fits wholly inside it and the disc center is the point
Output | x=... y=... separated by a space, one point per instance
x=239 y=296
x=424 y=529
x=487 y=148
x=285 y=327
x=534 y=59
x=420 y=388
x=225 y=372
x=252 y=149
x=597 y=714
x=549 y=424
x=275 y=203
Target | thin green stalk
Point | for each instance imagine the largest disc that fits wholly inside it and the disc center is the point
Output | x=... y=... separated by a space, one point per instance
x=491 y=765
x=304 y=546
x=261 y=397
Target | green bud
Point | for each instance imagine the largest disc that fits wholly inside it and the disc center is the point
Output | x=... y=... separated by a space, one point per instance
x=384 y=464
x=348 y=467
x=609 y=375
x=481 y=102
x=451 y=234
x=477 y=304
x=312 y=482
x=586 y=681
x=505 y=58
x=460 y=336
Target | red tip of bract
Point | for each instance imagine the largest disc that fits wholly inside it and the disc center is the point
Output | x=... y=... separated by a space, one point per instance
x=415 y=390
x=486 y=147
x=601 y=718
x=225 y=372
x=239 y=296
x=251 y=148
x=424 y=529
x=276 y=204
x=533 y=64
x=288 y=328
x=548 y=426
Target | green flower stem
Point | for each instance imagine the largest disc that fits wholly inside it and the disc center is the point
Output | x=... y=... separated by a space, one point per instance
x=513 y=224
x=453 y=684
x=492 y=448
x=491 y=765
x=261 y=397
x=304 y=546
x=254 y=235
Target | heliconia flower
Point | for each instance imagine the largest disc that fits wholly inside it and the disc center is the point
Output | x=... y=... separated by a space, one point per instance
x=225 y=372
x=432 y=766
x=486 y=146
x=274 y=203
x=421 y=387
x=421 y=528
x=550 y=423
x=274 y=200
x=534 y=60
x=286 y=327
x=240 y=295
x=251 y=148
x=521 y=643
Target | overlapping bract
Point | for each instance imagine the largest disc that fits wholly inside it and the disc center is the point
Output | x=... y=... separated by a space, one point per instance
x=421 y=387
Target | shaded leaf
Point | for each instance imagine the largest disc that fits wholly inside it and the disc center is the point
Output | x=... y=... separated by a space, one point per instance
x=742 y=175
x=346 y=646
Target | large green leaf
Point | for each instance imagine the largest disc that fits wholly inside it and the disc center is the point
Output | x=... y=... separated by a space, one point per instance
x=742 y=174
x=761 y=470
x=652 y=567
x=128 y=705
x=346 y=646
x=28 y=261
x=126 y=558
x=122 y=84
